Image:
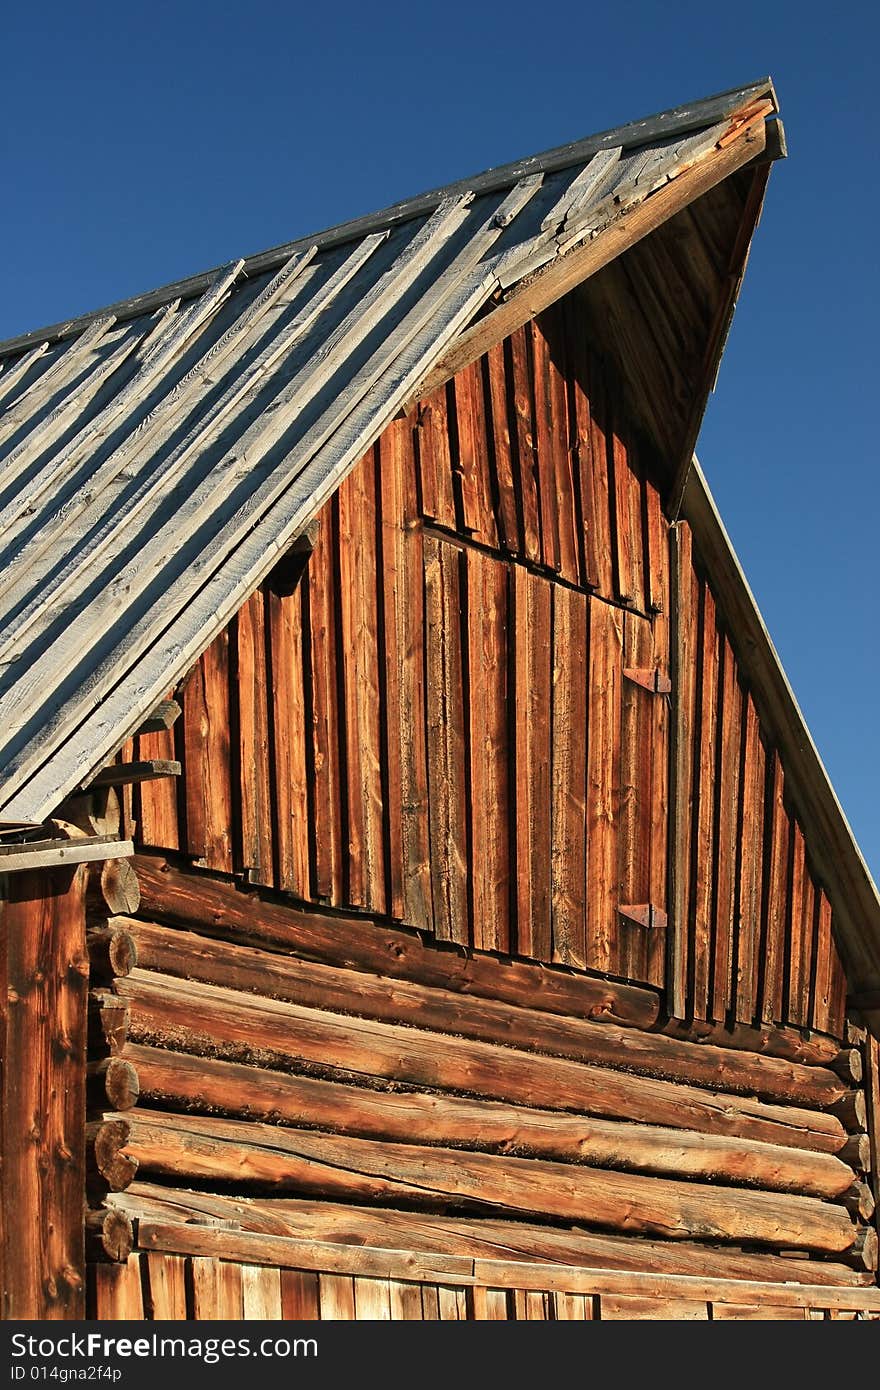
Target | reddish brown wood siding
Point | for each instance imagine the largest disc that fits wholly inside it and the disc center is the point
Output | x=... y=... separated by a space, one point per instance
x=44 y=980
x=759 y=941
x=436 y=726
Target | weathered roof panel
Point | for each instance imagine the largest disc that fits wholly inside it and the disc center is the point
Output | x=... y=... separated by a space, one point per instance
x=157 y=458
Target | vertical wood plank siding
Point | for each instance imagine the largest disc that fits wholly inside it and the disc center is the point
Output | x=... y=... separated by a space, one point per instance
x=44 y=980
x=436 y=727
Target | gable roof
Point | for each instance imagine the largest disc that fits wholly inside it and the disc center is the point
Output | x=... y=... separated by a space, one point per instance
x=156 y=458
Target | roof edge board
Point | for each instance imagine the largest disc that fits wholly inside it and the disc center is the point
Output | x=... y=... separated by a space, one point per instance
x=677 y=120
x=544 y=286
x=833 y=846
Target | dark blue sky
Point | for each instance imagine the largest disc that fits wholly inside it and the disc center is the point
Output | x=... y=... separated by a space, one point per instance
x=143 y=142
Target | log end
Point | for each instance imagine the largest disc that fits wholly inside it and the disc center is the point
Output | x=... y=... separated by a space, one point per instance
x=109 y=1235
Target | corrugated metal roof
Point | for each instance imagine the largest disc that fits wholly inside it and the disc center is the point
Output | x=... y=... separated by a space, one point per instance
x=155 y=459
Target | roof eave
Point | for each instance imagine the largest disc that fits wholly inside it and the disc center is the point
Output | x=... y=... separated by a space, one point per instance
x=677 y=120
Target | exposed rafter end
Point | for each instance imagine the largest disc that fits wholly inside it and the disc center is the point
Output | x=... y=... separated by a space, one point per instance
x=163 y=717
x=121 y=774
x=287 y=573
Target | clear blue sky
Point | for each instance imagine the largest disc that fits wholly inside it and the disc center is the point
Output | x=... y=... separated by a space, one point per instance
x=144 y=142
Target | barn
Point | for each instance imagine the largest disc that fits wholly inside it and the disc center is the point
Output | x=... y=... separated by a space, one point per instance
x=421 y=896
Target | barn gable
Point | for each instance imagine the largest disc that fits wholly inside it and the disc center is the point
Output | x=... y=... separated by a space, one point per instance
x=488 y=955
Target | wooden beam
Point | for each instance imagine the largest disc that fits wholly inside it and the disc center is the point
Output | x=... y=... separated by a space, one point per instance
x=57 y=854
x=484 y=1237
x=533 y=295
x=407 y=1264
x=455 y=1121
x=215 y=906
x=121 y=774
x=208 y=1019
x=169 y=951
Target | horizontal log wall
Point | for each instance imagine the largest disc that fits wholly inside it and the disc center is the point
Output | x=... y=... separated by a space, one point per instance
x=357 y=1086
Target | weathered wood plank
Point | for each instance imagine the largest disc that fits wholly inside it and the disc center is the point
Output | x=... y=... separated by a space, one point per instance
x=545 y=447
x=300 y=1296
x=530 y=629
x=406 y=1301
x=628 y=547
x=703 y=856
x=776 y=893
x=328 y=762
x=217 y=1289
x=751 y=865
x=592 y=429
x=568 y=849
x=622 y=1307
x=166 y=1282
x=447 y=772
x=405 y=711
x=42 y=1104
x=525 y=465
x=727 y=791
x=287 y=740
x=603 y=783
x=253 y=781
x=488 y=746
x=683 y=671
x=572 y=1307
x=207 y=762
x=822 y=990
x=435 y=460
x=501 y=452
x=336 y=1294
x=116 y=1291
x=261 y=1293
x=636 y=811
x=471 y=461
x=356 y=501
x=156 y=800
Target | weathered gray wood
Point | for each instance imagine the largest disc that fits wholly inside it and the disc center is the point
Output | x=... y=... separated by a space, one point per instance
x=125 y=774
x=163 y=352
x=59 y=853
x=371 y=402
x=402 y=1264
x=56 y=375
x=43 y=430
x=676 y=121
x=583 y=187
x=164 y=716
x=13 y=372
x=88 y=527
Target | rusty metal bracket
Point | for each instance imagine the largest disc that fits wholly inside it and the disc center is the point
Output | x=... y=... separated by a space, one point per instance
x=652 y=679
